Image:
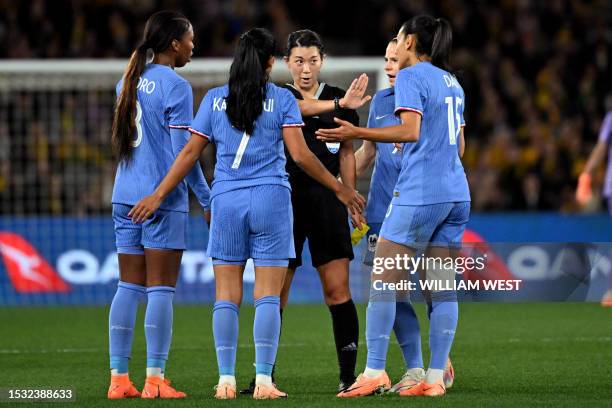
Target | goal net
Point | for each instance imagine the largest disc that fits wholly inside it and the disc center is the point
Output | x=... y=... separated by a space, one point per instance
x=57 y=173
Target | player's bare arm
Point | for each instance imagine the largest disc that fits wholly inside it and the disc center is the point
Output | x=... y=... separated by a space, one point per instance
x=182 y=165
x=364 y=157
x=408 y=131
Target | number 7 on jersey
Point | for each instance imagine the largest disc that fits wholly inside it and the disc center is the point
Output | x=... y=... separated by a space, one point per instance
x=241 y=148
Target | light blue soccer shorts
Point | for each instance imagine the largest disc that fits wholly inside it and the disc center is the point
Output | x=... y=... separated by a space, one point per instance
x=421 y=225
x=164 y=230
x=254 y=222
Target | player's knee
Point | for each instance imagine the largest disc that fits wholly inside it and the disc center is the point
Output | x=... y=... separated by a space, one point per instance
x=229 y=296
x=336 y=295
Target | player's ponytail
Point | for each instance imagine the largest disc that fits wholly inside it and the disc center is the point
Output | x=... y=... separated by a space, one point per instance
x=248 y=78
x=442 y=45
x=434 y=38
x=161 y=29
x=124 y=124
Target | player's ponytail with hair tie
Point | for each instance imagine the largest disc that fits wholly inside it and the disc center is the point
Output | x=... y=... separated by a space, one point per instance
x=143 y=48
x=442 y=45
x=161 y=29
x=248 y=78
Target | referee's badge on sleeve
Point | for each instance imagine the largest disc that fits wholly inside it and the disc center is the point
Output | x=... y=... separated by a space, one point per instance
x=333 y=147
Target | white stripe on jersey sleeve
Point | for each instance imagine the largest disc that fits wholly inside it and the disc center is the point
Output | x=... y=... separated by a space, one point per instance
x=402 y=108
x=192 y=130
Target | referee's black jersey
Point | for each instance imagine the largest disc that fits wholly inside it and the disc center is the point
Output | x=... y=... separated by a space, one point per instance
x=327 y=153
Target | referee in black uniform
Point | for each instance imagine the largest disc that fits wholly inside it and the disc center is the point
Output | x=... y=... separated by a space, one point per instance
x=317 y=214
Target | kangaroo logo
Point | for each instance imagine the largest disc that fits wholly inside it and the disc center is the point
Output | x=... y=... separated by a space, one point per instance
x=28 y=270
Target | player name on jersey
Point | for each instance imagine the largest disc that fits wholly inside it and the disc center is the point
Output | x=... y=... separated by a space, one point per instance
x=220 y=105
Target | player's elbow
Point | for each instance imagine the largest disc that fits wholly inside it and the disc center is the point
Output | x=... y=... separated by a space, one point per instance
x=298 y=156
x=409 y=137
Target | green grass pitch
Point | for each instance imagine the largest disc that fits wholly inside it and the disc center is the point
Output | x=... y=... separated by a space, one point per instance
x=505 y=355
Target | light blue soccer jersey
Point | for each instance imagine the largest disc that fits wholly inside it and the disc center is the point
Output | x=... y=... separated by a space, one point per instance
x=388 y=160
x=248 y=160
x=164 y=101
x=431 y=168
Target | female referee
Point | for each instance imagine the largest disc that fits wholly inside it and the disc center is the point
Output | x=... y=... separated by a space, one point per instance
x=248 y=119
x=153 y=112
x=317 y=214
x=431 y=200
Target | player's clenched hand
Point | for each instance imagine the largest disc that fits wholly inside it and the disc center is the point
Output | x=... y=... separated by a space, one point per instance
x=144 y=209
x=354 y=97
x=346 y=131
x=351 y=198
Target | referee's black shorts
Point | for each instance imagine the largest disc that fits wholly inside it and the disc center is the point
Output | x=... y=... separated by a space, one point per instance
x=322 y=219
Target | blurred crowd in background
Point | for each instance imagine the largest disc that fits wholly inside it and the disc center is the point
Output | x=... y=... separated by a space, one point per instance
x=536 y=76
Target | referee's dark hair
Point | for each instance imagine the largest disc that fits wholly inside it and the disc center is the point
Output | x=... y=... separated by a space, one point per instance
x=434 y=37
x=304 y=38
x=248 y=78
x=161 y=29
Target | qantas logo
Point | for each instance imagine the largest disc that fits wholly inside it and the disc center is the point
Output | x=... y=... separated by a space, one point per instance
x=28 y=270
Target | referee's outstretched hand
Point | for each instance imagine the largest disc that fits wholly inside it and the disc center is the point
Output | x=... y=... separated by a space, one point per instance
x=351 y=198
x=144 y=209
x=354 y=97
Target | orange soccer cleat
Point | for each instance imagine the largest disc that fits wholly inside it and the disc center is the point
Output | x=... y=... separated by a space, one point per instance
x=225 y=391
x=262 y=392
x=157 y=387
x=364 y=386
x=121 y=387
x=606 y=301
x=410 y=378
x=423 y=389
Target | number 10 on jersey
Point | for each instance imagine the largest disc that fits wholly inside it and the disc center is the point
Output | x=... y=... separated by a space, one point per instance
x=454 y=119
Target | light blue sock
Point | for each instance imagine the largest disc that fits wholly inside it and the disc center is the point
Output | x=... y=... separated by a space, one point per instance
x=158 y=325
x=121 y=321
x=266 y=331
x=380 y=316
x=408 y=334
x=225 y=332
x=443 y=323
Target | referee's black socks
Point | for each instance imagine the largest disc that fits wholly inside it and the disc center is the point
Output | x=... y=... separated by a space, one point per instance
x=346 y=336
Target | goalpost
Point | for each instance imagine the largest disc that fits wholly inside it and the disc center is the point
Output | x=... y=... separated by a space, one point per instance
x=88 y=73
x=56 y=117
